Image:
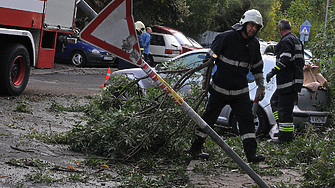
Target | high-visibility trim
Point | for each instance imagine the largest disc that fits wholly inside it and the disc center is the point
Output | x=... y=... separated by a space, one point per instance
x=257 y=64
x=297 y=56
x=277 y=67
x=234 y=63
x=286 y=55
x=229 y=92
x=275 y=114
x=298 y=47
x=201 y=134
x=286 y=127
x=248 y=135
x=289 y=84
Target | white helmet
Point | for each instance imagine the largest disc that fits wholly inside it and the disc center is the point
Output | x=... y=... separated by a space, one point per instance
x=252 y=16
x=140 y=27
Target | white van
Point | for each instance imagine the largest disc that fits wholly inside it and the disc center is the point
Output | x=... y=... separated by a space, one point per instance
x=163 y=47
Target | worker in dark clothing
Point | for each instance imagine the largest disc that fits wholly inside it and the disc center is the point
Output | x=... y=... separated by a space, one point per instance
x=235 y=52
x=289 y=70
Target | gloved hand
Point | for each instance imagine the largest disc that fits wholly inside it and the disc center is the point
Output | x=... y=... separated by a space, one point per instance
x=269 y=76
x=260 y=93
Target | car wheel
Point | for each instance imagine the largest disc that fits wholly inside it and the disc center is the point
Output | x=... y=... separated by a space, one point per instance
x=14 y=69
x=78 y=59
x=260 y=121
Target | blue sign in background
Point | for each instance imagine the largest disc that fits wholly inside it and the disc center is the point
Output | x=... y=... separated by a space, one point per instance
x=304 y=30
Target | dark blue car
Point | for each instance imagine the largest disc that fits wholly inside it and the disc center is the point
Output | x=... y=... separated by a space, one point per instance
x=81 y=54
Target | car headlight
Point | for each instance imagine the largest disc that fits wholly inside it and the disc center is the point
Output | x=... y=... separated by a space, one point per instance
x=95 y=51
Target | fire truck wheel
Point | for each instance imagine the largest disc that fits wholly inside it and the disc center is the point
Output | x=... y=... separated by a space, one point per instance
x=78 y=59
x=14 y=69
x=260 y=121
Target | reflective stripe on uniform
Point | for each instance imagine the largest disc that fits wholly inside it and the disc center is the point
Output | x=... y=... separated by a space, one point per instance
x=200 y=134
x=275 y=114
x=257 y=64
x=286 y=127
x=278 y=62
x=229 y=92
x=298 y=47
x=289 y=84
x=248 y=135
x=234 y=63
x=285 y=54
x=297 y=56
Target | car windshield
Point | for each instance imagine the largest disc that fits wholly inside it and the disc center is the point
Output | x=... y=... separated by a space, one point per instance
x=182 y=39
x=262 y=47
x=172 y=40
x=194 y=43
x=188 y=61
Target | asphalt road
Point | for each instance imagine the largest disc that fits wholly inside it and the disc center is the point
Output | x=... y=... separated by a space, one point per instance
x=66 y=79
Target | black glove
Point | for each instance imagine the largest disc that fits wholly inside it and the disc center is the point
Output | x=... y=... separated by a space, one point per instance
x=269 y=76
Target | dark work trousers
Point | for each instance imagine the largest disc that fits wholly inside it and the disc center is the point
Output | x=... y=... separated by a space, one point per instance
x=283 y=104
x=145 y=57
x=242 y=109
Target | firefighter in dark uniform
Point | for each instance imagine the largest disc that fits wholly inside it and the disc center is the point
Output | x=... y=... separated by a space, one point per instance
x=236 y=52
x=289 y=77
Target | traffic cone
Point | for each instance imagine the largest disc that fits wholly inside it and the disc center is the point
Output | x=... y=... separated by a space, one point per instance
x=107 y=76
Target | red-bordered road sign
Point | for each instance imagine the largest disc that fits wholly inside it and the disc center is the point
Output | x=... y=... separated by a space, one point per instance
x=113 y=30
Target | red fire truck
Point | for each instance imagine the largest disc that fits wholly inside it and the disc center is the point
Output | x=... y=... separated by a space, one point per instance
x=29 y=31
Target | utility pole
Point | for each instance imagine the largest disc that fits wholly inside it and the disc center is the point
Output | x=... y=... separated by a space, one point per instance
x=326 y=18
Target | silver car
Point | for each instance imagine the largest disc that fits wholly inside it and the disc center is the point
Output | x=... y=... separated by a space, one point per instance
x=307 y=108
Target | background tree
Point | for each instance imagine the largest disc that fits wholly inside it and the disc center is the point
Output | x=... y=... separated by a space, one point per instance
x=296 y=11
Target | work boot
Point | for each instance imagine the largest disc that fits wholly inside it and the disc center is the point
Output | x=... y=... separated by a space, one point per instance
x=276 y=135
x=278 y=141
x=284 y=137
x=250 y=147
x=256 y=159
x=196 y=148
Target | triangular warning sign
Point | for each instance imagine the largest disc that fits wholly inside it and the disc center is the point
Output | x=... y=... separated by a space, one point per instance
x=113 y=30
x=304 y=31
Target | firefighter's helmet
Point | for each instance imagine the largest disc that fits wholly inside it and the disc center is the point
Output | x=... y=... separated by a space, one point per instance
x=252 y=15
x=140 y=27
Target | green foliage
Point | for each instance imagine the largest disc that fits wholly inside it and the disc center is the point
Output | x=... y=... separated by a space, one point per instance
x=57 y=138
x=297 y=12
x=56 y=107
x=324 y=53
x=126 y=122
x=41 y=175
x=22 y=107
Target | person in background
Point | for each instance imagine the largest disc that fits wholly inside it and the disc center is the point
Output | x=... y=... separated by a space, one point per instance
x=289 y=77
x=145 y=44
x=140 y=29
x=235 y=52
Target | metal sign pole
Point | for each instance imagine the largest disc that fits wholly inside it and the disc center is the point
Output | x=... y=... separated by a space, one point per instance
x=117 y=17
x=203 y=125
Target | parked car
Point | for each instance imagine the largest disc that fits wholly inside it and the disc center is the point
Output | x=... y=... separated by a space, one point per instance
x=195 y=43
x=81 y=54
x=182 y=39
x=306 y=109
x=268 y=48
x=163 y=47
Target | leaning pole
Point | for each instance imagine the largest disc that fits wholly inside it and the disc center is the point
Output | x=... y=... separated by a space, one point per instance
x=113 y=30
